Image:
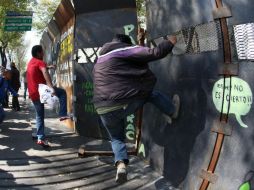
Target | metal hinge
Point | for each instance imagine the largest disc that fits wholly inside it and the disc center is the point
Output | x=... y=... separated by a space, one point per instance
x=222 y=128
x=222 y=12
x=229 y=69
x=211 y=177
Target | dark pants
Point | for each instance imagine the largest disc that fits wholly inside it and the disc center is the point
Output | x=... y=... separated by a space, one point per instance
x=15 y=103
x=25 y=89
x=6 y=99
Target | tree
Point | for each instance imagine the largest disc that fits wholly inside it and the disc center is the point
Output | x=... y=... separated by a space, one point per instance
x=43 y=10
x=10 y=5
x=7 y=38
x=19 y=50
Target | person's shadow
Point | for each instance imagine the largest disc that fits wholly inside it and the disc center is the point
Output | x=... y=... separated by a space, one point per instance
x=175 y=141
x=8 y=181
x=15 y=140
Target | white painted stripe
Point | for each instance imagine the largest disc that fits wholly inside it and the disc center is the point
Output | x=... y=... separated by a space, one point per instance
x=244 y=37
x=117 y=50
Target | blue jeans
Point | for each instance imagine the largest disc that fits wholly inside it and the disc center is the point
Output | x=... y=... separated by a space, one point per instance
x=114 y=121
x=61 y=94
x=39 y=109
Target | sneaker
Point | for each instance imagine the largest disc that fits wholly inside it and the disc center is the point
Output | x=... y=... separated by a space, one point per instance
x=16 y=109
x=176 y=102
x=43 y=143
x=64 y=118
x=121 y=173
x=34 y=136
x=167 y=118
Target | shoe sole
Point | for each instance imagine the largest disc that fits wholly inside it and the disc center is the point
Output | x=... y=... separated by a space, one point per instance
x=63 y=119
x=34 y=136
x=122 y=178
x=44 y=146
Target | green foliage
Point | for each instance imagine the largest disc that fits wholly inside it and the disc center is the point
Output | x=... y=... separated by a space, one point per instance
x=13 y=40
x=19 y=50
x=44 y=11
x=141 y=7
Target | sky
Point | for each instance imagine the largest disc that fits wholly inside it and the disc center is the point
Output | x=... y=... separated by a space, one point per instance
x=31 y=39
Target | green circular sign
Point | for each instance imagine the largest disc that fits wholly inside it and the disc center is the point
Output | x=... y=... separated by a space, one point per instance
x=236 y=98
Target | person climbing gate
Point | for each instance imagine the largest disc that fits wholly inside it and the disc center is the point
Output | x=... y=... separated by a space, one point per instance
x=123 y=83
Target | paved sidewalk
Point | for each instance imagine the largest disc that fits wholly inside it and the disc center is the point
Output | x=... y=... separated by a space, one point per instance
x=26 y=165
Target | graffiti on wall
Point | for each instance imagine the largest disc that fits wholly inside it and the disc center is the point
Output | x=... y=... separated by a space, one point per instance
x=130 y=128
x=130 y=133
x=65 y=59
x=129 y=30
x=65 y=72
x=141 y=150
x=87 y=89
x=66 y=44
x=233 y=96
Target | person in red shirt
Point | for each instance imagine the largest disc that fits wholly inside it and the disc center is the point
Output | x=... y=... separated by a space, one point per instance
x=37 y=73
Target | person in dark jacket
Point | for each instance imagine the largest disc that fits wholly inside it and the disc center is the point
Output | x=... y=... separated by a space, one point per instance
x=15 y=83
x=123 y=83
x=5 y=86
x=25 y=84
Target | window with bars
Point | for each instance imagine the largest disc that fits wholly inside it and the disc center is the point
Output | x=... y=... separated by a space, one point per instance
x=88 y=55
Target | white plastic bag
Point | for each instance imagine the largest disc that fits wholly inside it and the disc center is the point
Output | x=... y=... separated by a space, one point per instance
x=46 y=96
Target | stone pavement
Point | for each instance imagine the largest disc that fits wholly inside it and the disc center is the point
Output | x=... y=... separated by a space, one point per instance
x=26 y=165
